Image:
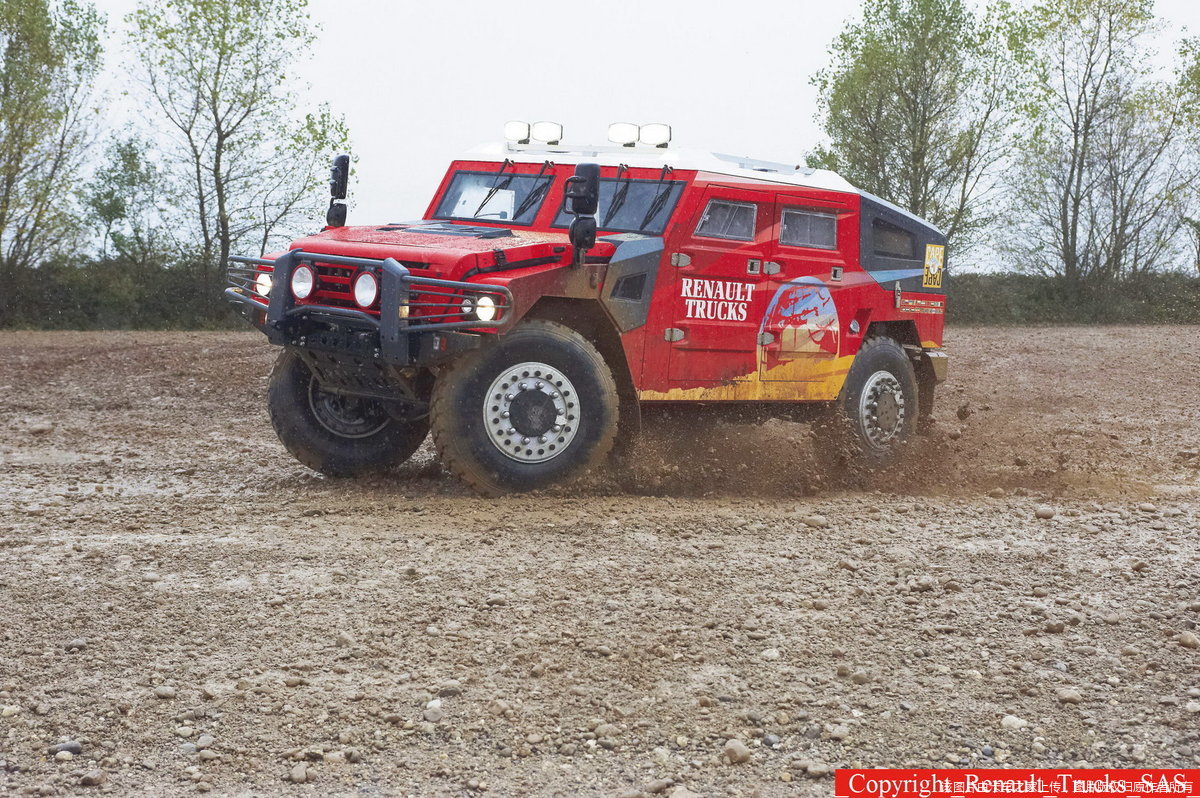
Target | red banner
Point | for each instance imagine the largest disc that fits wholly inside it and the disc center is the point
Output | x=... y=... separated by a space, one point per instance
x=1016 y=783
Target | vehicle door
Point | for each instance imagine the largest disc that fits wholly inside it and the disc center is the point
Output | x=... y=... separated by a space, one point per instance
x=800 y=332
x=717 y=301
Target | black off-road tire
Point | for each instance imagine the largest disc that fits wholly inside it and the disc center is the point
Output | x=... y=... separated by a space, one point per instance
x=376 y=442
x=539 y=371
x=873 y=429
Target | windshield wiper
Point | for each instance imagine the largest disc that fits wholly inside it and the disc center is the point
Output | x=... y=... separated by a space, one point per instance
x=618 y=197
x=660 y=199
x=496 y=186
x=537 y=193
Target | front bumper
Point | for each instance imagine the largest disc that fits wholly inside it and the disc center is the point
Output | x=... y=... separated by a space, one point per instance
x=420 y=319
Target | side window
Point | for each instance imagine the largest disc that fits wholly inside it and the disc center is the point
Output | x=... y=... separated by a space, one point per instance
x=727 y=219
x=892 y=241
x=803 y=228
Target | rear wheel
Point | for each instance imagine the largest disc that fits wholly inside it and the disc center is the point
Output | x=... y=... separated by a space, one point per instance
x=336 y=434
x=537 y=406
x=877 y=411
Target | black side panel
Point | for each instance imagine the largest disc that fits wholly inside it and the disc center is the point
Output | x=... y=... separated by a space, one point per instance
x=629 y=284
x=891 y=269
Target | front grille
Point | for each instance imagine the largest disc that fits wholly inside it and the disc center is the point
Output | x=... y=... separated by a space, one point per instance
x=335 y=285
x=430 y=304
x=335 y=288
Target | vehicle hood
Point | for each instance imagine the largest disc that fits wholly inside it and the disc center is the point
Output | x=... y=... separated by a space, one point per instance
x=451 y=251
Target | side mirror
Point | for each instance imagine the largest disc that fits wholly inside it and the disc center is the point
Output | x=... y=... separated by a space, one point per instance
x=339 y=177
x=582 y=194
x=583 y=190
x=336 y=215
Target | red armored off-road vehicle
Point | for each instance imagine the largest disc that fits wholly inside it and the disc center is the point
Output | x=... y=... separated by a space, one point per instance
x=552 y=293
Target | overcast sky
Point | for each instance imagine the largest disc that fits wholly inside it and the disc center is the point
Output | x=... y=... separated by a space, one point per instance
x=420 y=82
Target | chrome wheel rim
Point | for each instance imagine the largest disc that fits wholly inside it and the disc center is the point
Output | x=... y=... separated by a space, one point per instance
x=346 y=416
x=531 y=412
x=881 y=410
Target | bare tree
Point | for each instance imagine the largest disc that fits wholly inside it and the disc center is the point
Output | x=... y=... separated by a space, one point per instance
x=51 y=54
x=246 y=160
x=1104 y=174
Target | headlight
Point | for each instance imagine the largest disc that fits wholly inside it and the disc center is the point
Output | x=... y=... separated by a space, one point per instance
x=485 y=308
x=366 y=290
x=303 y=282
x=263 y=283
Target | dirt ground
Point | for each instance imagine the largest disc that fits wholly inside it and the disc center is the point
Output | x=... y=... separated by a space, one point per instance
x=188 y=609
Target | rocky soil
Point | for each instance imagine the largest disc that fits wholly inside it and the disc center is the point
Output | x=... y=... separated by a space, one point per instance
x=186 y=609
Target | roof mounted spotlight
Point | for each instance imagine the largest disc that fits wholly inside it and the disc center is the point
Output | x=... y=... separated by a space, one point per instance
x=655 y=134
x=623 y=133
x=516 y=132
x=548 y=132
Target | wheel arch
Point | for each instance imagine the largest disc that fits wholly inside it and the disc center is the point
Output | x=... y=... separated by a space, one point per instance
x=904 y=332
x=587 y=317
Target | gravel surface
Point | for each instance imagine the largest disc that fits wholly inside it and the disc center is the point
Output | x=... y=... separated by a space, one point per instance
x=189 y=610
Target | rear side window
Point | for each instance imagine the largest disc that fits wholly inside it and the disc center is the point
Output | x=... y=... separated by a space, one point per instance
x=803 y=228
x=892 y=241
x=726 y=219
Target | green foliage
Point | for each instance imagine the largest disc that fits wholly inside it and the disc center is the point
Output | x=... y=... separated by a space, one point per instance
x=124 y=198
x=112 y=294
x=1011 y=298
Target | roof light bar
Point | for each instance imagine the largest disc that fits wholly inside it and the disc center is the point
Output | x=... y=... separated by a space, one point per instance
x=625 y=134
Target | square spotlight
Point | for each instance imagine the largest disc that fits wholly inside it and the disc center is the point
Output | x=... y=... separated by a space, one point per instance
x=516 y=132
x=623 y=133
x=549 y=132
x=656 y=134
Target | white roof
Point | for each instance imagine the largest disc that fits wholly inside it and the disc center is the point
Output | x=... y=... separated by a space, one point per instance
x=680 y=158
x=676 y=158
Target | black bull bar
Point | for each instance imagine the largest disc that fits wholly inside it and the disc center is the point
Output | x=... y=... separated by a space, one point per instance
x=402 y=322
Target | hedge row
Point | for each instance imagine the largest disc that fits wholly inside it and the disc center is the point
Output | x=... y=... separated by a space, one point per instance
x=109 y=295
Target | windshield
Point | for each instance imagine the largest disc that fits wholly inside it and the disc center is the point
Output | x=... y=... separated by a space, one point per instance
x=636 y=209
x=494 y=196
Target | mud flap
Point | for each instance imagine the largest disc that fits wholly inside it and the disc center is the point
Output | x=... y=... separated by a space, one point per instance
x=931 y=371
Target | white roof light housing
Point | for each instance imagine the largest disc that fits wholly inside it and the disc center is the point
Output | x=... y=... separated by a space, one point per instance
x=623 y=133
x=548 y=132
x=655 y=134
x=517 y=132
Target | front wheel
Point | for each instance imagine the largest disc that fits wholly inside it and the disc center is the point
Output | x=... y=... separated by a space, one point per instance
x=535 y=407
x=336 y=434
x=877 y=411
